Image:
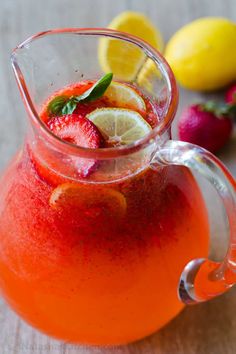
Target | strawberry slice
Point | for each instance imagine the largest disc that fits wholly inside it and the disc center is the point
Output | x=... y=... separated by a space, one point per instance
x=77 y=129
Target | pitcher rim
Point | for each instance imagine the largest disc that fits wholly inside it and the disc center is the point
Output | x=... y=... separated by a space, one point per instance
x=101 y=153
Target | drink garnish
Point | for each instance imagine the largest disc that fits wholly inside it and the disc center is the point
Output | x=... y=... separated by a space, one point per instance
x=106 y=201
x=124 y=96
x=82 y=132
x=62 y=105
x=119 y=126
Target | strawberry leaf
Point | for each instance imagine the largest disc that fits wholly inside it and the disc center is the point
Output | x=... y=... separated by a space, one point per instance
x=232 y=111
x=220 y=109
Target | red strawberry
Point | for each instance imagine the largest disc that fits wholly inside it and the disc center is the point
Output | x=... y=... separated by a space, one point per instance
x=207 y=125
x=230 y=95
x=77 y=129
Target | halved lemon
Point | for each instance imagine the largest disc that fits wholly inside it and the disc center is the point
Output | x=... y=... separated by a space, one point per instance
x=148 y=76
x=122 y=58
x=125 y=96
x=107 y=201
x=119 y=126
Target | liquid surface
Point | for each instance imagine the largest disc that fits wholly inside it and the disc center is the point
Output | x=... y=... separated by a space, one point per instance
x=84 y=108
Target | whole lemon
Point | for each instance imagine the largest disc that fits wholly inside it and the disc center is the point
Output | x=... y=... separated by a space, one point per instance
x=202 y=54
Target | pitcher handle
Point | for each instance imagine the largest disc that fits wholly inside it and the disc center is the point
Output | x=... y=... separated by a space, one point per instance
x=203 y=279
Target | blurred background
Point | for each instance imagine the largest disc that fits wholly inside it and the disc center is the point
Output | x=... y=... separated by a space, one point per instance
x=206 y=329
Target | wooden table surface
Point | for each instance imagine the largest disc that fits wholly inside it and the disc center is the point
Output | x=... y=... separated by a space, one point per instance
x=209 y=328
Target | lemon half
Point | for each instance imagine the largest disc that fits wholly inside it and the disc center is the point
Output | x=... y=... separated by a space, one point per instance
x=122 y=58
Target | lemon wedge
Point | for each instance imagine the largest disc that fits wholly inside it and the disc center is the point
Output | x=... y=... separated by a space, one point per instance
x=119 y=126
x=125 y=96
x=122 y=58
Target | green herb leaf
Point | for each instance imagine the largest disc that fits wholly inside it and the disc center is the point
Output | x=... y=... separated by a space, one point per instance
x=232 y=111
x=69 y=107
x=220 y=109
x=56 y=105
x=97 y=90
x=64 y=105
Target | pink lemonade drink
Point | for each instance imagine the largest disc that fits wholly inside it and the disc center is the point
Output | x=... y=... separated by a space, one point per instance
x=97 y=263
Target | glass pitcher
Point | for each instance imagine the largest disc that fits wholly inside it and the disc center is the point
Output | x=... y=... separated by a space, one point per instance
x=111 y=258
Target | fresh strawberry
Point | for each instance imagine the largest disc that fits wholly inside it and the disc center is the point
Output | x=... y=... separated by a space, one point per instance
x=230 y=95
x=77 y=129
x=208 y=125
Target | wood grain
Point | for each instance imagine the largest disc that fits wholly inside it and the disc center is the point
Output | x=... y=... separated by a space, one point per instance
x=204 y=329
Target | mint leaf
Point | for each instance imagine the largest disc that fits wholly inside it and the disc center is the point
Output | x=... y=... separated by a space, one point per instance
x=64 y=105
x=97 y=90
x=56 y=105
x=69 y=107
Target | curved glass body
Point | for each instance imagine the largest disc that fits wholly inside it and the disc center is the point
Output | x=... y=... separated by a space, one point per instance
x=95 y=273
x=92 y=278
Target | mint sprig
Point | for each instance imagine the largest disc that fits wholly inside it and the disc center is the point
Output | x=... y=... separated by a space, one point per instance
x=69 y=106
x=97 y=90
x=56 y=105
x=61 y=105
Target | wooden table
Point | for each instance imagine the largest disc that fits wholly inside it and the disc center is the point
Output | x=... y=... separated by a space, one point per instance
x=209 y=328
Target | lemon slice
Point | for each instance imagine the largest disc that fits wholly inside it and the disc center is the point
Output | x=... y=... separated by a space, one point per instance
x=125 y=96
x=83 y=198
x=119 y=126
x=122 y=58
